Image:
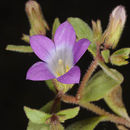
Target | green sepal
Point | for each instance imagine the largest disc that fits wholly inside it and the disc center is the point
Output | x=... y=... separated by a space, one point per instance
x=115 y=102
x=56 y=24
x=33 y=126
x=68 y=113
x=83 y=30
x=98 y=87
x=111 y=72
x=36 y=116
x=88 y=124
x=19 y=48
x=25 y=38
x=105 y=55
x=50 y=85
x=119 y=57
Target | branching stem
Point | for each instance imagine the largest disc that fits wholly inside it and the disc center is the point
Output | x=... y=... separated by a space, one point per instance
x=96 y=109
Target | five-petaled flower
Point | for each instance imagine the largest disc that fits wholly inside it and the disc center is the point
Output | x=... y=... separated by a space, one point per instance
x=58 y=57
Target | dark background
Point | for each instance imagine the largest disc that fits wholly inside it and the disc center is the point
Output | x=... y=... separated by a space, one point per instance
x=15 y=91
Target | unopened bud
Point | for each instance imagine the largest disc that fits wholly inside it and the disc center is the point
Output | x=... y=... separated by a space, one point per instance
x=36 y=19
x=120 y=57
x=115 y=27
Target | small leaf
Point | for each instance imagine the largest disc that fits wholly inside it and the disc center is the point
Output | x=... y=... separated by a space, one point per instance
x=111 y=72
x=105 y=55
x=68 y=113
x=114 y=101
x=56 y=24
x=36 y=116
x=19 y=48
x=98 y=87
x=33 y=126
x=83 y=30
x=50 y=85
x=46 y=108
x=88 y=124
x=119 y=57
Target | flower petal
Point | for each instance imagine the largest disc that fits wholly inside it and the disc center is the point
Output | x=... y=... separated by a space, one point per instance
x=39 y=71
x=71 y=77
x=65 y=35
x=79 y=49
x=42 y=46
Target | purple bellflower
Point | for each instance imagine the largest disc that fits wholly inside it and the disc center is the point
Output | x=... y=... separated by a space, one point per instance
x=58 y=57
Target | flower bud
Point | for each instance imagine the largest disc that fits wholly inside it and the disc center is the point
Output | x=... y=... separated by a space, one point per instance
x=36 y=19
x=115 y=27
x=120 y=57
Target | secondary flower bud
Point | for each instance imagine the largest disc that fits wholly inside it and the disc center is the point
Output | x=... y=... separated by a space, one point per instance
x=115 y=27
x=36 y=19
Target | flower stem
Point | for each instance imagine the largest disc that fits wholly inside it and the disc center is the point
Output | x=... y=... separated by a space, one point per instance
x=56 y=102
x=86 y=78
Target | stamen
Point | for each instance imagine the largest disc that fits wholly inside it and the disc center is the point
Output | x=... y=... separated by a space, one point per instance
x=67 y=68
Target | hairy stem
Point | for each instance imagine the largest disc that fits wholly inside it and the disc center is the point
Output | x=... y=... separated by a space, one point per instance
x=96 y=109
x=86 y=78
x=111 y=117
x=56 y=102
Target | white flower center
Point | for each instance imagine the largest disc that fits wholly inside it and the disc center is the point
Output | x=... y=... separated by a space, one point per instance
x=61 y=60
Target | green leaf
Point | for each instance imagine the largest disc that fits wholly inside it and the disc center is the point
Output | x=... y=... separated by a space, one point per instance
x=50 y=85
x=83 y=30
x=115 y=102
x=46 y=108
x=119 y=57
x=111 y=72
x=36 y=116
x=56 y=24
x=98 y=87
x=105 y=55
x=34 y=126
x=19 y=48
x=88 y=124
x=68 y=113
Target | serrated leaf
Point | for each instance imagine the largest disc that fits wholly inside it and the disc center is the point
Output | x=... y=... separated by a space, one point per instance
x=19 y=48
x=111 y=72
x=88 y=124
x=98 y=87
x=33 y=126
x=68 y=113
x=36 y=116
x=56 y=24
x=50 y=85
x=119 y=57
x=105 y=55
x=115 y=102
x=83 y=30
